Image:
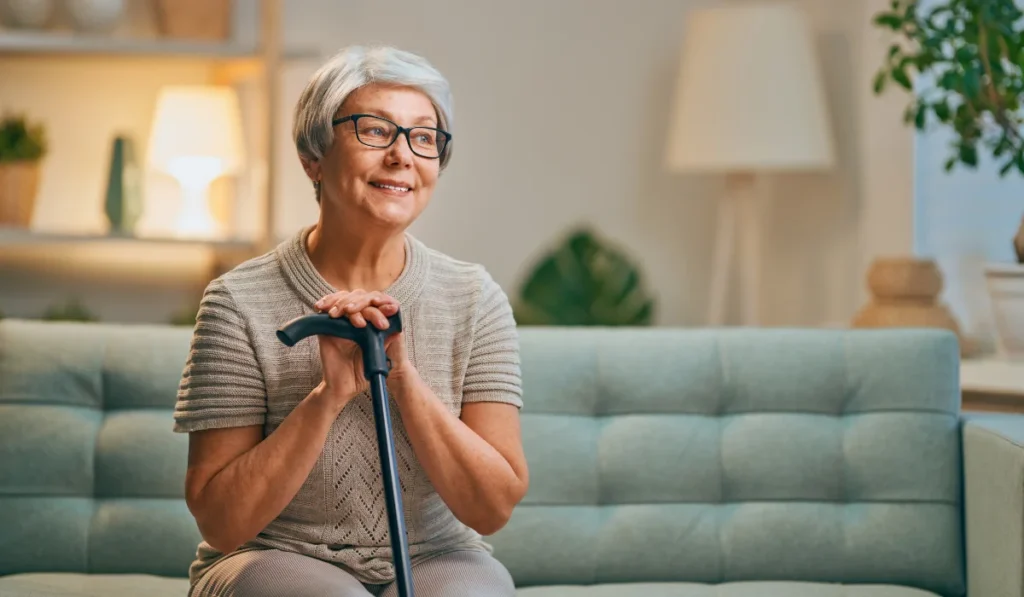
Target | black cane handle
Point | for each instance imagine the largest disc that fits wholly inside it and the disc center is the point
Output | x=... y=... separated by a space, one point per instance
x=369 y=338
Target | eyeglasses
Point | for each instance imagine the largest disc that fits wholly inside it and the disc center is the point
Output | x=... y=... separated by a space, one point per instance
x=375 y=131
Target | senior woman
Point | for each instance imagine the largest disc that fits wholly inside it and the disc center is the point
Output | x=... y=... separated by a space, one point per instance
x=283 y=476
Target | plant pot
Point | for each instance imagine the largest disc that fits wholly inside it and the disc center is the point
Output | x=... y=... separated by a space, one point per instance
x=904 y=293
x=1006 y=293
x=27 y=14
x=19 y=187
x=199 y=20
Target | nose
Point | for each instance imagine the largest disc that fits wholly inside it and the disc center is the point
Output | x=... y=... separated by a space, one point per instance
x=400 y=154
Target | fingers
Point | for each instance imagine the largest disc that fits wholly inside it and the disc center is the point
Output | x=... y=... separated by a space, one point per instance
x=371 y=299
x=360 y=306
x=373 y=314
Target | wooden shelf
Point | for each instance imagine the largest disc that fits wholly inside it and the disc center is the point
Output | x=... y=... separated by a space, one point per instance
x=72 y=44
x=990 y=384
x=992 y=376
x=17 y=237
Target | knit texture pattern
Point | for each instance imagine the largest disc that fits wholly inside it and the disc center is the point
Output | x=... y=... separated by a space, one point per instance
x=461 y=336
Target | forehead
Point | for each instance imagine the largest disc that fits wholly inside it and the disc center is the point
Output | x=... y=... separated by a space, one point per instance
x=401 y=104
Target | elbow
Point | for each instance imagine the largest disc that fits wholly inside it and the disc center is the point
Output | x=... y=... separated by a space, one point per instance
x=223 y=545
x=213 y=527
x=492 y=522
x=494 y=518
x=219 y=536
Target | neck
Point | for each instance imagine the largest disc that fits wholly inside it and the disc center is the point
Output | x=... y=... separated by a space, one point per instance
x=352 y=259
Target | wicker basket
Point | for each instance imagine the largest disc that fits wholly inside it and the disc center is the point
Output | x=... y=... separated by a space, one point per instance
x=19 y=187
x=203 y=20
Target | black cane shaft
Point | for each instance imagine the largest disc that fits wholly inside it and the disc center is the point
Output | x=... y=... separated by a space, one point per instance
x=392 y=486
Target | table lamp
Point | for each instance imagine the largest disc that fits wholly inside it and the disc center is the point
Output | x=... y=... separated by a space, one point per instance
x=196 y=137
x=748 y=100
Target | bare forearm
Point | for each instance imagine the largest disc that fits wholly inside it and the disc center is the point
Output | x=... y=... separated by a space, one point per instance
x=244 y=497
x=471 y=476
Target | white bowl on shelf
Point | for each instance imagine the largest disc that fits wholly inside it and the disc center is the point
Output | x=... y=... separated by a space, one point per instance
x=94 y=16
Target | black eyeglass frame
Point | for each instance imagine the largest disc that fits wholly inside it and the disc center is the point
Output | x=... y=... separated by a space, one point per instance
x=400 y=130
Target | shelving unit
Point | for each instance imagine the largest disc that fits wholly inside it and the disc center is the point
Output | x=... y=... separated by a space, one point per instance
x=70 y=44
x=251 y=59
x=15 y=237
x=232 y=60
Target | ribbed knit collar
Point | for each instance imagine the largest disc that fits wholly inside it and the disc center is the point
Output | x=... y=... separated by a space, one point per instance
x=311 y=285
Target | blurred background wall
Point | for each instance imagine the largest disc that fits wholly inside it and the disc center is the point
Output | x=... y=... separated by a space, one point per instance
x=520 y=70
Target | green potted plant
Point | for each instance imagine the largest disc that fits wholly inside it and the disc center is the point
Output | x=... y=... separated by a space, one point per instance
x=971 y=52
x=584 y=281
x=22 y=148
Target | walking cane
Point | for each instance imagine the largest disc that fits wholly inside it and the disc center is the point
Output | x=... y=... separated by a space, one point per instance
x=376 y=365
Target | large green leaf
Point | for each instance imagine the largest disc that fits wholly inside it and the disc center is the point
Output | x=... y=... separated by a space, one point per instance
x=584 y=281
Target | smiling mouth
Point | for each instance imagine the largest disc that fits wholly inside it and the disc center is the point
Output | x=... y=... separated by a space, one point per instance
x=390 y=187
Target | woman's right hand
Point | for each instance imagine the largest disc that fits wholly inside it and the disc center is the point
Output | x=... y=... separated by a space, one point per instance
x=340 y=359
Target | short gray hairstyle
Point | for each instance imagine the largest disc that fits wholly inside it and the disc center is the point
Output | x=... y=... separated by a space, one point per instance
x=354 y=67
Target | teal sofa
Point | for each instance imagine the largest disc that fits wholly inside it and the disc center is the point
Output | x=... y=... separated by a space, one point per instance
x=664 y=463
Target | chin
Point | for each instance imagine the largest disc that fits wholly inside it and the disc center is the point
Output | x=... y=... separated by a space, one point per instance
x=396 y=211
x=399 y=218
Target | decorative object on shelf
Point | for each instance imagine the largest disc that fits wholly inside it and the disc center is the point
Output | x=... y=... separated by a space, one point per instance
x=207 y=20
x=27 y=14
x=71 y=310
x=584 y=281
x=123 y=203
x=22 y=148
x=1005 y=283
x=95 y=16
x=731 y=54
x=905 y=293
x=196 y=138
x=973 y=51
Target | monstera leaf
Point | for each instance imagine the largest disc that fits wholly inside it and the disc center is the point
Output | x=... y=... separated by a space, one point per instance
x=584 y=281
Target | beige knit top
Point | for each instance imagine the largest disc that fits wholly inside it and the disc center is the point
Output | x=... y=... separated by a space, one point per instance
x=460 y=335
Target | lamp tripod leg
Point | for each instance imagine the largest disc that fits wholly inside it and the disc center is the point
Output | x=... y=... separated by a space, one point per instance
x=723 y=261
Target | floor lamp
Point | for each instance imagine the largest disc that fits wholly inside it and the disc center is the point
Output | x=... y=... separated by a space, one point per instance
x=749 y=100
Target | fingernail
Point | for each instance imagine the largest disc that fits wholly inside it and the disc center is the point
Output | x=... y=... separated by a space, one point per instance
x=334 y=310
x=383 y=323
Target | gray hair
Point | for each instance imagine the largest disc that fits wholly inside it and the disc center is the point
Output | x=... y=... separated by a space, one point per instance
x=354 y=67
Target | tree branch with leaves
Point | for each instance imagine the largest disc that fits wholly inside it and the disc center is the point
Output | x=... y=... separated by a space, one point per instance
x=971 y=55
x=974 y=53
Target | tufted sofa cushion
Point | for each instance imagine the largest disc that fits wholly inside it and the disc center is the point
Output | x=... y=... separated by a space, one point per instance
x=731 y=455
x=92 y=477
x=669 y=463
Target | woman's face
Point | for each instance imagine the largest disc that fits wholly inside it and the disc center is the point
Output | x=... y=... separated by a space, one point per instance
x=389 y=187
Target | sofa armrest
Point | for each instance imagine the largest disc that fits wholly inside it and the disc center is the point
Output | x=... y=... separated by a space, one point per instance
x=993 y=447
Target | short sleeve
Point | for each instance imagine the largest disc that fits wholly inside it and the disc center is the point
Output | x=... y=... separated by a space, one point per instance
x=222 y=383
x=493 y=372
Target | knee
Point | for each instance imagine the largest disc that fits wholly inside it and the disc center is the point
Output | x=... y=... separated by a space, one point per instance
x=464 y=573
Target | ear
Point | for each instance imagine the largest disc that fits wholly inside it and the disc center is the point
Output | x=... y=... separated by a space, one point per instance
x=312 y=168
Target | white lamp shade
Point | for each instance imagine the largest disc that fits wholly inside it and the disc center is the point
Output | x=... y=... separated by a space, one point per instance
x=749 y=96
x=197 y=132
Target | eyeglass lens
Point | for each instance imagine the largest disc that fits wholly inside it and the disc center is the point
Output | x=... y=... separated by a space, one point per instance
x=376 y=132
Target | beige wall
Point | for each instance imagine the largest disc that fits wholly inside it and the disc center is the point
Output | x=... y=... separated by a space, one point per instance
x=603 y=69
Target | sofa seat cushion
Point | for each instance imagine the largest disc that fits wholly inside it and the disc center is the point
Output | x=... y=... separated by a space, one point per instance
x=68 y=584
x=733 y=589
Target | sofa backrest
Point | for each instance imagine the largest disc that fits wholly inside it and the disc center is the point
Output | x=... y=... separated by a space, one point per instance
x=91 y=476
x=736 y=454
x=655 y=455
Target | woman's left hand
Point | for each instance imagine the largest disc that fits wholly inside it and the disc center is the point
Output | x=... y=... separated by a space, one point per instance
x=364 y=307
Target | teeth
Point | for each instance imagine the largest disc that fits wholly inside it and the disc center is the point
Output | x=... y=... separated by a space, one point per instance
x=392 y=187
